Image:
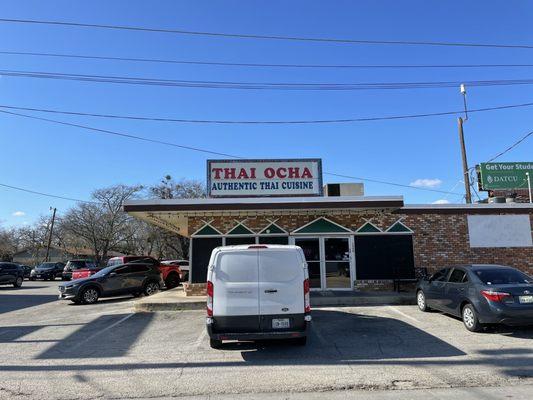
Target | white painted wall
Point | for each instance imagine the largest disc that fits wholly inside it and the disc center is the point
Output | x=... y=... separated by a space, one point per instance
x=499 y=231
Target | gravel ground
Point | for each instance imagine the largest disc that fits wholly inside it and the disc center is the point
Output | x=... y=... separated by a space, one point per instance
x=54 y=349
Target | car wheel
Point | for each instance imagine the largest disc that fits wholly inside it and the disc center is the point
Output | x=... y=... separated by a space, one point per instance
x=172 y=281
x=470 y=319
x=18 y=282
x=421 y=301
x=215 y=344
x=151 y=288
x=89 y=295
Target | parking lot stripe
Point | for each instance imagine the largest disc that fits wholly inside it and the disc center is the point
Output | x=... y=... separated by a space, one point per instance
x=200 y=339
x=403 y=314
x=100 y=332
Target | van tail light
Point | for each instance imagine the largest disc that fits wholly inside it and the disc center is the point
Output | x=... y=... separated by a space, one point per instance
x=210 y=292
x=307 y=300
x=495 y=296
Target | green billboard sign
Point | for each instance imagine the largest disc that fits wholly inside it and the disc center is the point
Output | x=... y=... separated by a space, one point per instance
x=505 y=175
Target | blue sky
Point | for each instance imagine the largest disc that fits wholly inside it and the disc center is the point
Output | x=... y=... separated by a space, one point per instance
x=72 y=162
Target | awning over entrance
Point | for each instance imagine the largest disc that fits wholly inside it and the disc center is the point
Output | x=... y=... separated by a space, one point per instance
x=173 y=214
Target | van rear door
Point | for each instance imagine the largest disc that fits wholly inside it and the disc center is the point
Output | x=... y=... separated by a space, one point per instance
x=235 y=281
x=281 y=292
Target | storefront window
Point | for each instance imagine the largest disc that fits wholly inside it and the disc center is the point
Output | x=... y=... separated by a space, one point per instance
x=232 y=241
x=274 y=239
x=311 y=249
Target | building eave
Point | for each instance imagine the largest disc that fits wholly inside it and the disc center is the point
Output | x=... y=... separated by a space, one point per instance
x=280 y=203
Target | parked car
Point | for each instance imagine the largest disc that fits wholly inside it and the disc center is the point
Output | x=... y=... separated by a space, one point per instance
x=11 y=274
x=183 y=268
x=479 y=294
x=27 y=270
x=257 y=292
x=171 y=272
x=74 y=265
x=47 y=271
x=117 y=280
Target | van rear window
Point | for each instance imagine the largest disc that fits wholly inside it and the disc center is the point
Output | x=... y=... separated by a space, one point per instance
x=237 y=267
x=279 y=266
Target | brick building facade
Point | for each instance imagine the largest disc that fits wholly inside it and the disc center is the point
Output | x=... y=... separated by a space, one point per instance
x=352 y=242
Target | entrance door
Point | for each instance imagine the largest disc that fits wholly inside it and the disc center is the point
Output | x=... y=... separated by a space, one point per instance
x=311 y=249
x=337 y=263
x=329 y=261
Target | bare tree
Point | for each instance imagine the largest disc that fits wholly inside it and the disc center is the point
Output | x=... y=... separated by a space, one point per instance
x=168 y=244
x=102 y=224
x=8 y=244
x=168 y=188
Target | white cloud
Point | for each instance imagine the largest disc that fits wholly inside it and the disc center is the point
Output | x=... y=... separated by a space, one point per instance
x=426 y=183
x=19 y=214
x=441 y=201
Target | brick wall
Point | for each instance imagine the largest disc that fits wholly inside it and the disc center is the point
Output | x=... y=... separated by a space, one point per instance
x=440 y=239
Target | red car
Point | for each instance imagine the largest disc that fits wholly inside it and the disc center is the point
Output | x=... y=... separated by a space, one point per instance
x=170 y=273
x=183 y=266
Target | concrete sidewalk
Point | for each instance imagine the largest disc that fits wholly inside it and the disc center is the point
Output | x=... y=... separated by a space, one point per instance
x=170 y=300
x=175 y=300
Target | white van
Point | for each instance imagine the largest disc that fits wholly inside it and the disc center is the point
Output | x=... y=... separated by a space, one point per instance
x=257 y=292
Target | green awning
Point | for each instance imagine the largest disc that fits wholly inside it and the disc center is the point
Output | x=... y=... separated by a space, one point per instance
x=322 y=225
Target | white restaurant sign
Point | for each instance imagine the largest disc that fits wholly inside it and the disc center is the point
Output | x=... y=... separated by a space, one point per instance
x=264 y=178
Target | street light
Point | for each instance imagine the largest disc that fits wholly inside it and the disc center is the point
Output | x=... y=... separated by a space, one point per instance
x=529 y=186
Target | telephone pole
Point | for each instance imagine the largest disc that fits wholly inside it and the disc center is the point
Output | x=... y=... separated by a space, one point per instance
x=466 y=174
x=50 y=235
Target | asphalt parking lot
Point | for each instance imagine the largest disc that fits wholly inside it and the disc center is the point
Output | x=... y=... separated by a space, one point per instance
x=55 y=349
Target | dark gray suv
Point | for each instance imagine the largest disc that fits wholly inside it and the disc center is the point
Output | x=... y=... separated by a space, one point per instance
x=118 y=280
x=11 y=274
x=479 y=294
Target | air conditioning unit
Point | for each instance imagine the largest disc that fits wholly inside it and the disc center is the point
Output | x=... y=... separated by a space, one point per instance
x=344 y=189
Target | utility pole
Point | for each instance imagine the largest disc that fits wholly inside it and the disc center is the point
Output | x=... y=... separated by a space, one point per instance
x=466 y=174
x=50 y=235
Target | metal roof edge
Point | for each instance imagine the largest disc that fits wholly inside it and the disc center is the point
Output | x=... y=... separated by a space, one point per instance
x=493 y=206
x=263 y=200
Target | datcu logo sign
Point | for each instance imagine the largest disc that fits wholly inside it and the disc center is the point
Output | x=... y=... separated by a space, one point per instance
x=264 y=178
x=504 y=176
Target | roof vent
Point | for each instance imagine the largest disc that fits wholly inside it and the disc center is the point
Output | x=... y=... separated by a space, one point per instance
x=344 y=189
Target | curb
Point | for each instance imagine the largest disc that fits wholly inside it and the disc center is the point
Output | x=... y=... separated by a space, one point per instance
x=362 y=301
x=344 y=301
x=168 y=306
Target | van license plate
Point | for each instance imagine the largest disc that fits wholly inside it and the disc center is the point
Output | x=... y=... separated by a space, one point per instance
x=525 y=299
x=280 y=323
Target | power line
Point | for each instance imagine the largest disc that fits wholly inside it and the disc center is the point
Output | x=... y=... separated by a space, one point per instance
x=266 y=65
x=266 y=122
x=268 y=37
x=47 y=194
x=511 y=147
x=261 y=85
x=125 y=135
x=390 y=183
x=129 y=136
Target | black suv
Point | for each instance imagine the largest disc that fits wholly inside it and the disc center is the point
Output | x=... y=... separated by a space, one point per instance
x=47 y=271
x=133 y=278
x=11 y=274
